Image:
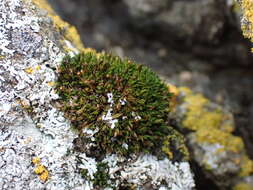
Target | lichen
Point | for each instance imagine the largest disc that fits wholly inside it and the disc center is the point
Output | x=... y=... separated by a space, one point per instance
x=40 y=169
x=173 y=142
x=247 y=167
x=69 y=31
x=243 y=186
x=173 y=90
x=213 y=128
x=247 y=20
x=212 y=125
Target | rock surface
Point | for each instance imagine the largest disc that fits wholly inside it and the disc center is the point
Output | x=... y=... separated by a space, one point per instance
x=203 y=49
x=36 y=141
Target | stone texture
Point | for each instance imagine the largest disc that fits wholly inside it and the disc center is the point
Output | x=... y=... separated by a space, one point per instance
x=36 y=141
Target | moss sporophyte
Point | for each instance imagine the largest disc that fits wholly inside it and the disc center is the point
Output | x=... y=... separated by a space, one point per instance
x=119 y=106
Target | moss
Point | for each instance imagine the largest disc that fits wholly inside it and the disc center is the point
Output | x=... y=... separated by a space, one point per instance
x=175 y=144
x=126 y=102
x=101 y=177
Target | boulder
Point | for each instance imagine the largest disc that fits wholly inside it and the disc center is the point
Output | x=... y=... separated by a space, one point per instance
x=37 y=142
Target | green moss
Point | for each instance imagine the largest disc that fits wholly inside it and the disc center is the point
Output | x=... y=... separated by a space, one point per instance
x=94 y=86
x=175 y=144
x=101 y=177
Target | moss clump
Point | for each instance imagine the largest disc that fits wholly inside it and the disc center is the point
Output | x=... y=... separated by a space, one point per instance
x=101 y=177
x=124 y=105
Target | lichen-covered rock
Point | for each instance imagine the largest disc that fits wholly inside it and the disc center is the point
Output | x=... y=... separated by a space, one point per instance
x=37 y=148
x=211 y=139
x=247 y=19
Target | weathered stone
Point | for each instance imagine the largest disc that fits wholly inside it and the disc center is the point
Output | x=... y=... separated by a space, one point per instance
x=36 y=140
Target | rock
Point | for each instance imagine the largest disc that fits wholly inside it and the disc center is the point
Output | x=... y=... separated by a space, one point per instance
x=185 y=21
x=37 y=142
x=214 y=147
x=247 y=20
x=201 y=27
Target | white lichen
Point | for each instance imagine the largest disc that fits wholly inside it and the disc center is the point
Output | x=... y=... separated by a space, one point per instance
x=25 y=76
x=108 y=116
x=147 y=168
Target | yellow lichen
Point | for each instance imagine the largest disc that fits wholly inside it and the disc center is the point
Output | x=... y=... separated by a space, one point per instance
x=199 y=115
x=213 y=126
x=2 y=57
x=51 y=83
x=29 y=70
x=167 y=151
x=243 y=186
x=40 y=169
x=69 y=32
x=212 y=136
x=180 y=146
x=246 y=167
x=36 y=160
x=247 y=24
x=37 y=68
x=173 y=102
x=44 y=175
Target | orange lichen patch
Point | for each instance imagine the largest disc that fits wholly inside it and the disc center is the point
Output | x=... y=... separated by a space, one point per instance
x=51 y=83
x=40 y=169
x=36 y=160
x=243 y=186
x=69 y=31
x=29 y=70
x=246 y=166
x=173 y=89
